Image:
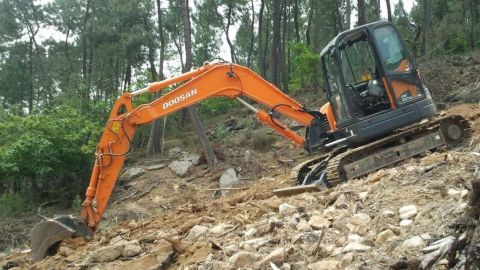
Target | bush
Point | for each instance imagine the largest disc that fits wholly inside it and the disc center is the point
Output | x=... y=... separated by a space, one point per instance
x=217 y=105
x=11 y=203
x=305 y=67
x=47 y=155
x=457 y=44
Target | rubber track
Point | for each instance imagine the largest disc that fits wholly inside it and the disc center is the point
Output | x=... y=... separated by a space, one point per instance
x=335 y=166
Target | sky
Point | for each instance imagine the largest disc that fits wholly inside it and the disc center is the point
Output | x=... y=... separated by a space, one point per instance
x=172 y=66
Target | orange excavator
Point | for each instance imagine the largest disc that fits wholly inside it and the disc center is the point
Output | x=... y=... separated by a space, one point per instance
x=374 y=117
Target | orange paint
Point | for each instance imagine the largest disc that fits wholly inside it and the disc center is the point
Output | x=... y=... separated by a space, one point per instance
x=212 y=80
x=326 y=109
x=389 y=94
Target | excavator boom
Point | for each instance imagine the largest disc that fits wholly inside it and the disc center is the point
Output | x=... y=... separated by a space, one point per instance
x=211 y=80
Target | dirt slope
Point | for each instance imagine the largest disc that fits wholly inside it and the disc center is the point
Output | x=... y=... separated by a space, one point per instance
x=161 y=221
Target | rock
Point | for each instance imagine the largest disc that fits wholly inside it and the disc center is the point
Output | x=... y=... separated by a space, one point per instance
x=407 y=211
x=175 y=152
x=372 y=178
x=273 y=202
x=156 y=167
x=220 y=228
x=363 y=195
x=106 y=254
x=248 y=157
x=346 y=260
x=453 y=192
x=196 y=232
x=464 y=193
x=303 y=226
x=254 y=243
x=193 y=158
x=242 y=258
x=360 y=219
x=159 y=258
x=117 y=240
x=406 y=222
x=324 y=265
x=12 y=264
x=388 y=213
x=131 y=249
x=65 y=251
x=286 y=209
x=354 y=246
x=384 y=236
x=277 y=256
x=318 y=222
x=181 y=167
x=341 y=201
x=133 y=173
x=250 y=232
x=413 y=242
x=355 y=238
x=228 y=179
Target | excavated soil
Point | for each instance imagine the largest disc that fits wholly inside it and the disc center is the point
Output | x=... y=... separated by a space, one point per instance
x=181 y=223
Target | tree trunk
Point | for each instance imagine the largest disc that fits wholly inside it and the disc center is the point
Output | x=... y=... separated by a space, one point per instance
x=472 y=23
x=84 y=40
x=276 y=43
x=295 y=20
x=187 y=32
x=284 y=40
x=389 y=11
x=226 y=29
x=261 y=52
x=30 y=71
x=377 y=9
x=362 y=18
x=252 y=38
x=348 y=14
x=154 y=140
x=426 y=30
x=309 y=23
x=192 y=113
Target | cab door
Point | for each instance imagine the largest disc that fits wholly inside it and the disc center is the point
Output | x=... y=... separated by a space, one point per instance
x=334 y=85
x=400 y=74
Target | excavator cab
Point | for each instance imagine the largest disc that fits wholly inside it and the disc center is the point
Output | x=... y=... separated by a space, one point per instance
x=372 y=84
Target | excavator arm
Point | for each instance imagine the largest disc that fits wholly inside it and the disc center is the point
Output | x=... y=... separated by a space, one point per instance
x=211 y=80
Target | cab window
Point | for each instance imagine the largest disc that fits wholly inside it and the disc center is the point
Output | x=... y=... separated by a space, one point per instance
x=393 y=55
x=357 y=60
x=334 y=86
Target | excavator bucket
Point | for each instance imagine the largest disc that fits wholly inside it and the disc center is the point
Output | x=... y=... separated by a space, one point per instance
x=47 y=235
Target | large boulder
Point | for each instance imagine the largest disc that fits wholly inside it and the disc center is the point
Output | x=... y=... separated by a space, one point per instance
x=180 y=167
x=106 y=254
x=133 y=173
x=193 y=158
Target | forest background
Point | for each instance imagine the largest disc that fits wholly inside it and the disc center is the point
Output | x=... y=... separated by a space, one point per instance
x=55 y=93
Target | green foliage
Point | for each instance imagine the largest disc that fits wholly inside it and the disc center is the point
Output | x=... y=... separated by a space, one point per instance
x=305 y=66
x=217 y=106
x=457 y=44
x=12 y=203
x=47 y=155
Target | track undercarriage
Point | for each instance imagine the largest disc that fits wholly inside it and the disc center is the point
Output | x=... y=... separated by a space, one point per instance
x=342 y=163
